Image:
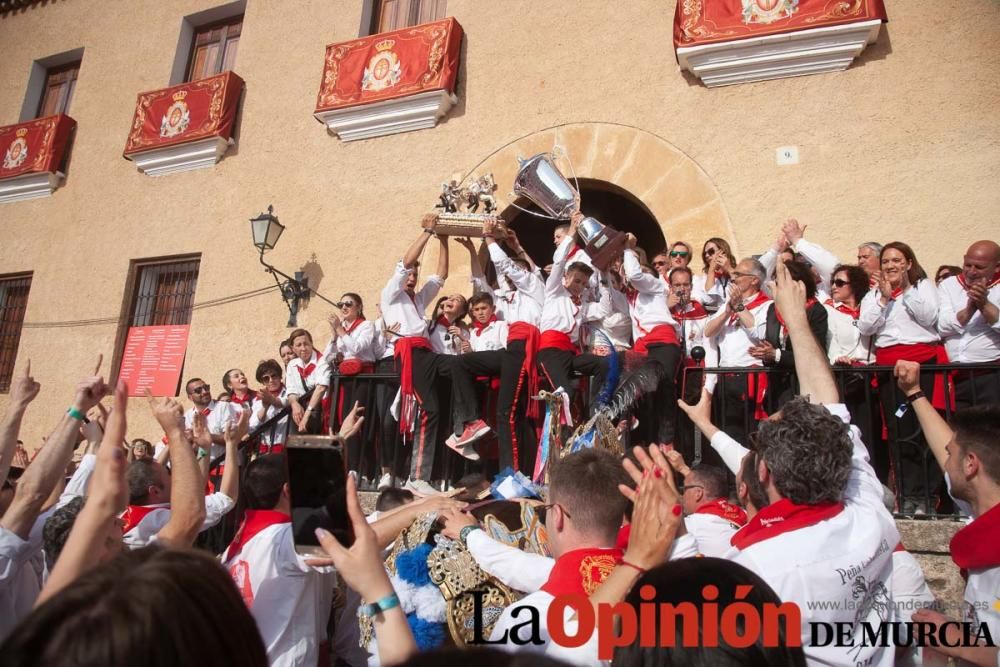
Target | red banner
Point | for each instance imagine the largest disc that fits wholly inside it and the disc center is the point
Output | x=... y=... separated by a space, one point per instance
x=35 y=146
x=708 y=21
x=390 y=65
x=185 y=113
x=153 y=359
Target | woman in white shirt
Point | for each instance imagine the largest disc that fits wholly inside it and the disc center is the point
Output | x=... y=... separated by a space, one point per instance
x=900 y=315
x=352 y=351
x=711 y=288
x=267 y=403
x=307 y=371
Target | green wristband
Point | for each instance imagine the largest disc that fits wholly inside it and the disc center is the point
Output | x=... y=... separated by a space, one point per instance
x=76 y=414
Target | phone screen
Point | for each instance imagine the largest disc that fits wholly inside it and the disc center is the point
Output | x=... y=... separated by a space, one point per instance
x=317 y=484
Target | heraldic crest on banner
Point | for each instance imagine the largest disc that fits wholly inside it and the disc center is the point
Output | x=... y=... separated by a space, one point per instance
x=768 y=11
x=17 y=152
x=177 y=117
x=384 y=69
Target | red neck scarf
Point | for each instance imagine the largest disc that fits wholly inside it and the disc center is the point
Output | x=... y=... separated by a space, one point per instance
x=783 y=517
x=242 y=401
x=253 y=522
x=575 y=249
x=694 y=311
x=976 y=546
x=581 y=571
x=306 y=371
x=354 y=325
x=479 y=326
x=761 y=298
x=723 y=508
x=992 y=283
x=855 y=313
x=134 y=514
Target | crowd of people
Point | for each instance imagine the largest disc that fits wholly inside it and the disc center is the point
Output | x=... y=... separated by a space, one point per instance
x=790 y=497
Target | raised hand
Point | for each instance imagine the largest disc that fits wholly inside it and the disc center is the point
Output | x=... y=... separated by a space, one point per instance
x=631 y=241
x=453 y=521
x=789 y=295
x=793 y=231
x=108 y=486
x=352 y=422
x=199 y=431
x=234 y=433
x=23 y=388
x=977 y=293
x=90 y=390
x=466 y=243
x=334 y=323
x=167 y=411
x=907 y=376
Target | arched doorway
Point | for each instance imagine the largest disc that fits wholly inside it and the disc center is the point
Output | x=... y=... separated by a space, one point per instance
x=609 y=203
x=624 y=171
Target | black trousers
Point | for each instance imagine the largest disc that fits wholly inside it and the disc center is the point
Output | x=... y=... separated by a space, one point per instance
x=391 y=453
x=916 y=471
x=513 y=427
x=977 y=388
x=557 y=365
x=658 y=416
x=359 y=455
x=427 y=368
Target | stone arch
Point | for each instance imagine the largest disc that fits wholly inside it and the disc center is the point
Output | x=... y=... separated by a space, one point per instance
x=673 y=187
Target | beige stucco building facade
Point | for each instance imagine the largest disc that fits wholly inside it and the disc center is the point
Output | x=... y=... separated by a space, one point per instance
x=903 y=145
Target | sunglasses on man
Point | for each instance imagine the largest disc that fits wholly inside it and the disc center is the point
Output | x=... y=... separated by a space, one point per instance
x=201 y=388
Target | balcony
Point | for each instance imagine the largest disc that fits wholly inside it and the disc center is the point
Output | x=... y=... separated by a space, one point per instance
x=772 y=39
x=184 y=127
x=34 y=153
x=390 y=82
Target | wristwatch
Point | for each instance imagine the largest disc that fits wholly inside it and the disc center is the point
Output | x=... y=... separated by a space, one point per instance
x=740 y=308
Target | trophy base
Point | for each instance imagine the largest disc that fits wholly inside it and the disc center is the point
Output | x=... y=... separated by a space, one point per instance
x=604 y=248
x=467 y=224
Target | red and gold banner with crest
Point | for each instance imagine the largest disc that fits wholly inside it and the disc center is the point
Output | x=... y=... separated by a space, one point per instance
x=184 y=113
x=34 y=146
x=391 y=65
x=699 y=22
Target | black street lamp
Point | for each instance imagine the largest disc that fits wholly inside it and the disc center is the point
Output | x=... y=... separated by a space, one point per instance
x=266 y=231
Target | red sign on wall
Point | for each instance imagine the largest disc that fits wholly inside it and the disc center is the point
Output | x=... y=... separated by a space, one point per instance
x=34 y=146
x=153 y=359
x=390 y=65
x=185 y=113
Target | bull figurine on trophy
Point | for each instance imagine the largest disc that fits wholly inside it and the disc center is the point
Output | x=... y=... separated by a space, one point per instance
x=540 y=181
x=460 y=214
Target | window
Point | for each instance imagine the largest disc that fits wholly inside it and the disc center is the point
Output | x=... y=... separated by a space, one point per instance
x=213 y=48
x=58 y=91
x=158 y=292
x=13 y=301
x=388 y=15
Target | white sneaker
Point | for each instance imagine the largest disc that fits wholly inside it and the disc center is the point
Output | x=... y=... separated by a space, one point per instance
x=421 y=488
x=385 y=481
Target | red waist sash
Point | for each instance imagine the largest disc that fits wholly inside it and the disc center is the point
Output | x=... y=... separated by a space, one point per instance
x=661 y=333
x=403 y=350
x=531 y=336
x=558 y=340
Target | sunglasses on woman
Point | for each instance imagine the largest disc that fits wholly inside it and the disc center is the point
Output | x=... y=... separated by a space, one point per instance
x=840 y=283
x=346 y=304
x=709 y=252
x=679 y=253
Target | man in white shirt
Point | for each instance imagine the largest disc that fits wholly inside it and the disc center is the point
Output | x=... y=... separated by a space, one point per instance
x=969 y=323
x=826 y=536
x=738 y=326
x=518 y=301
x=149 y=485
x=419 y=367
x=289 y=600
x=217 y=414
x=708 y=514
x=566 y=307
x=968 y=451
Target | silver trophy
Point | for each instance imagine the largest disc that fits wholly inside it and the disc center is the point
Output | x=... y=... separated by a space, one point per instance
x=539 y=180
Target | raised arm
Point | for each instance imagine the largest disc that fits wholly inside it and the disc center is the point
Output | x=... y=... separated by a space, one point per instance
x=23 y=390
x=811 y=365
x=822 y=259
x=187 y=492
x=634 y=274
x=935 y=428
x=106 y=500
x=230 y=484
x=49 y=467
x=416 y=248
x=442 y=269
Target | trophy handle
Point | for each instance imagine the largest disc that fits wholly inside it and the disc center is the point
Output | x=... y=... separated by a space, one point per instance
x=510 y=201
x=559 y=151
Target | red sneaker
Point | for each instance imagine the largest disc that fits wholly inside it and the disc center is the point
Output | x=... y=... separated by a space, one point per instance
x=473 y=431
x=467 y=451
